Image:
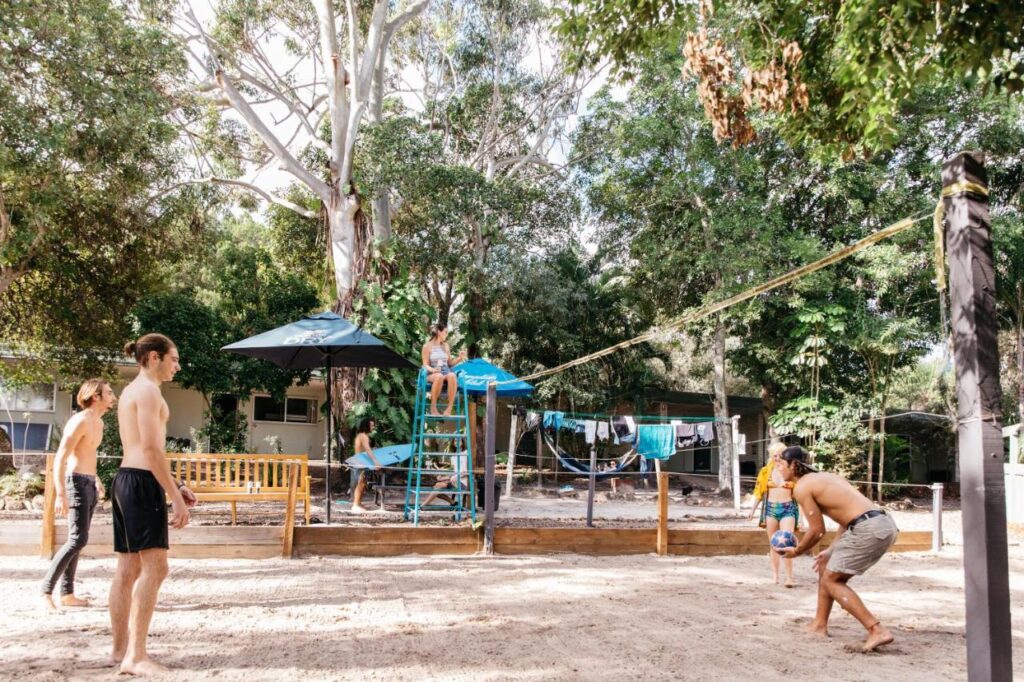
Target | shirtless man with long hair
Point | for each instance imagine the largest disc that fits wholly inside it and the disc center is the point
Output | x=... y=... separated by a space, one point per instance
x=139 y=493
x=77 y=488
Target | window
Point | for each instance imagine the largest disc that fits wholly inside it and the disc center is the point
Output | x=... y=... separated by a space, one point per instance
x=300 y=410
x=266 y=409
x=32 y=437
x=31 y=398
x=292 y=410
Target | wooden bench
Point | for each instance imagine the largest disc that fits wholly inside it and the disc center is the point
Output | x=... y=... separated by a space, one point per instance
x=247 y=478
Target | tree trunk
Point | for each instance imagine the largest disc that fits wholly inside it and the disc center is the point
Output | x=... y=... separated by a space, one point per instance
x=881 y=456
x=341 y=220
x=476 y=308
x=723 y=423
x=477 y=301
x=350 y=236
x=381 y=218
x=871 y=455
x=1020 y=354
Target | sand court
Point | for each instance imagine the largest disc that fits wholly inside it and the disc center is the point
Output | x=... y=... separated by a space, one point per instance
x=565 y=617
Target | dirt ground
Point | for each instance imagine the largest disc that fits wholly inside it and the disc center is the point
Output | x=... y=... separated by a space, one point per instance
x=561 y=617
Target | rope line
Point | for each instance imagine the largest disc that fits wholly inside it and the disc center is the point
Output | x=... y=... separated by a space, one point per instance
x=718 y=306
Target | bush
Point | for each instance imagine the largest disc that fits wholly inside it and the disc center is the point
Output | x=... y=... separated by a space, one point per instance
x=225 y=433
x=835 y=434
x=109 y=452
x=21 y=486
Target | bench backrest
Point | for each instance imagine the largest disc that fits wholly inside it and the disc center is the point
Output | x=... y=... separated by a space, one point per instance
x=210 y=472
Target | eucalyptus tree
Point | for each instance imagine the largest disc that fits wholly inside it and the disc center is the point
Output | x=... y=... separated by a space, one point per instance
x=290 y=83
x=495 y=97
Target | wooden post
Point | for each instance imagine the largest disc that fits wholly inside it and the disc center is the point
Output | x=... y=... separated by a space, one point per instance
x=49 y=514
x=591 y=485
x=973 y=316
x=330 y=437
x=662 y=509
x=492 y=405
x=511 y=453
x=476 y=458
x=937 y=517
x=540 y=450
x=554 y=459
x=289 y=516
x=735 y=462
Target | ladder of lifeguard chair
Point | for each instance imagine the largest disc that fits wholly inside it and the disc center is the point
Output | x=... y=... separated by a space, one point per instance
x=425 y=427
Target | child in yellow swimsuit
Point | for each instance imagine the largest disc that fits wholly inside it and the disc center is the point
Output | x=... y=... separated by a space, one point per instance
x=782 y=510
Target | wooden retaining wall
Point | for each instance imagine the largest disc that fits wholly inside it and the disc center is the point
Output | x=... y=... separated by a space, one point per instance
x=257 y=542
x=196 y=542
x=392 y=541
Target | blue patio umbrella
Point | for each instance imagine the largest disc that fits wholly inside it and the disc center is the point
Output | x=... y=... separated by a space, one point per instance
x=474 y=375
x=323 y=340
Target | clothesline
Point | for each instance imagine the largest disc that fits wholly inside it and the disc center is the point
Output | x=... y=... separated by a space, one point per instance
x=664 y=419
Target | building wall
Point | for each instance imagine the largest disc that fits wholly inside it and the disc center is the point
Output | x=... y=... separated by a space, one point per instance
x=299 y=439
x=187 y=408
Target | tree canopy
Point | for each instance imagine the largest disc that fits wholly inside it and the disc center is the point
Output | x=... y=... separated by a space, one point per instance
x=86 y=152
x=834 y=73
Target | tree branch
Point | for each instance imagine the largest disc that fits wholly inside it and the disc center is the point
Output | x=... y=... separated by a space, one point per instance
x=248 y=186
x=337 y=105
x=252 y=119
x=289 y=162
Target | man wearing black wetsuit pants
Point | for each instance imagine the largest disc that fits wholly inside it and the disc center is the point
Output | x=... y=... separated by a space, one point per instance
x=138 y=494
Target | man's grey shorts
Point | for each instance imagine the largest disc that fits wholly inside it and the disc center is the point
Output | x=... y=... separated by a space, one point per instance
x=860 y=547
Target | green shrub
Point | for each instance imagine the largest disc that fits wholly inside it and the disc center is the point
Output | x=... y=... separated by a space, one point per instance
x=21 y=486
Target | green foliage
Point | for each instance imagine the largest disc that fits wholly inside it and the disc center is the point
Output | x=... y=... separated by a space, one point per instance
x=110 y=451
x=21 y=486
x=239 y=292
x=839 y=435
x=453 y=216
x=551 y=309
x=397 y=313
x=1008 y=238
x=223 y=433
x=862 y=59
x=298 y=244
x=85 y=150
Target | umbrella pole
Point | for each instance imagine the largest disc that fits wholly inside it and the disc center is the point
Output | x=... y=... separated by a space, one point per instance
x=330 y=436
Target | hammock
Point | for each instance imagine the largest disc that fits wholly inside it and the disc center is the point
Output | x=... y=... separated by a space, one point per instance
x=575 y=466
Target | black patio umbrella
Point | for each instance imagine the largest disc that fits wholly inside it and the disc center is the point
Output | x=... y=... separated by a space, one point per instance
x=323 y=340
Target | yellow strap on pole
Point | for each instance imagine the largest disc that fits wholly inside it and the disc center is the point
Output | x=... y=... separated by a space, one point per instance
x=937 y=231
x=938 y=237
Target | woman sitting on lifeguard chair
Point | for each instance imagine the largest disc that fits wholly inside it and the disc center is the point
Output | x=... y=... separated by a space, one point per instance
x=437 y=360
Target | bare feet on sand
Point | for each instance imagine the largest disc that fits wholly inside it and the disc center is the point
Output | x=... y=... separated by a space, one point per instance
x=813 y=628
x=143 y=668
x=72 y=600
x=775 y=578
x=357 y=509
x=790 y=582
x=877 y=636
x=47 y=603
